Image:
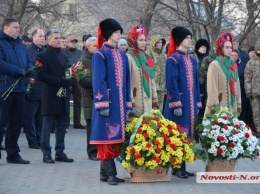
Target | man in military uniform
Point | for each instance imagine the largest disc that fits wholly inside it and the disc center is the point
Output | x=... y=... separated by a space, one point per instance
x=159 y=58
x=252 y=87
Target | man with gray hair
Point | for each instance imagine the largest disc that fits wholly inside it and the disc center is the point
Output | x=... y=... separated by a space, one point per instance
x=54 y=108
x=14 y=64
x=87 y=94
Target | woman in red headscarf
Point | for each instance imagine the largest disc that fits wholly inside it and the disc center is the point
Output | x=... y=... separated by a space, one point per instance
x=144 y=95
x=222 y=79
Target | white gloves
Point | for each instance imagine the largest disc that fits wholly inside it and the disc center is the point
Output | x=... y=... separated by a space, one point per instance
x=177 y=112
x=104 y=112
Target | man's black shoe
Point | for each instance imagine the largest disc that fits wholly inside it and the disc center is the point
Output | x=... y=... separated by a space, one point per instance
x=63 y=158
x=34 y=146
x=18 y=160
x=94 y=158
x=48 y=159
x=2 y=147
x=181 y=175
x=187 y=173
x=79 y=126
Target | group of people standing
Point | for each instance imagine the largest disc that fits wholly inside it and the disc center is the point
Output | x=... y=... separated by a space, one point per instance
x=127 y=81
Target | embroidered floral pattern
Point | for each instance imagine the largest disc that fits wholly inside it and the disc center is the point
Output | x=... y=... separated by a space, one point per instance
x=175 y=104
x=99 y=105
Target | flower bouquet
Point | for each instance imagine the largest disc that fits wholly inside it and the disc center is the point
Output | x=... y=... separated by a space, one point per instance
x=155 y=144
x=79 y=71
x=62 y=90
x=11 y=88
x=224 y=138
x=30 y=85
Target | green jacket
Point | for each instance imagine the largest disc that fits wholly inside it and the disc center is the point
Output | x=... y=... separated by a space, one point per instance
x=159 y=58
x=204 y=70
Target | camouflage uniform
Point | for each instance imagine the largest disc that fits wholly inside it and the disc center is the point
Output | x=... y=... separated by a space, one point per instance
x=252 y=88
x=159 y=58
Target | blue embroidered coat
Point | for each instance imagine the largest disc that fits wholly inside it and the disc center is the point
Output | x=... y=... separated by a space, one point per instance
x=111 y=89
x=182 y=85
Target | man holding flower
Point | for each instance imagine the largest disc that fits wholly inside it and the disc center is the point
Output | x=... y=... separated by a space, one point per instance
x=14 y=63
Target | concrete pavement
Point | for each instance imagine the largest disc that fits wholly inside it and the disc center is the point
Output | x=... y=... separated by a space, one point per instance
x=82 y=176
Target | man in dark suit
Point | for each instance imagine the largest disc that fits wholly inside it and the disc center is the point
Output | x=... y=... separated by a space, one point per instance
x=32 y=115
x=54 y=109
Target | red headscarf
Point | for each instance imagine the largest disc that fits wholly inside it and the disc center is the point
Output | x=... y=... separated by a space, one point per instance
x=224 y=37
x=133 y=34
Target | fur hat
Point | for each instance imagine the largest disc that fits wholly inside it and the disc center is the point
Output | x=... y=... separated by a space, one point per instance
x=202 y=42
x=251 y=48
x=85 y=37
x=106 y=28
x=178 y=34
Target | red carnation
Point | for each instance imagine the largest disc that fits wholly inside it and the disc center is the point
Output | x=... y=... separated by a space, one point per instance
x=220 y=151
x=38 y=63
x=158 y=150
x=173 y=146
x=148 y=145
x=169 y=126
x=257 y=154
x=183 y=151
x=146 y=135
x=158 y=160
x=168 y=141
x=173 y=160
x=145 y=122
x=221 y=138
x=159 y=126
x=182 y=140
x=253 y=133
x=154 y=157
x=178 y=127
x=195 y=157
x=247 y=127
x=225 y=127
x=232 y=144
x=140 y=130
x=164 y=136
x=224 y=117
x=247 y=135
x=181 y=131
x=237 y=126
x=189 y=141
x=138 y=156
x=169 y=131
x=156 y=142
x=215 y=122
x=132 y=150
x=154 y=118
x=234 y=132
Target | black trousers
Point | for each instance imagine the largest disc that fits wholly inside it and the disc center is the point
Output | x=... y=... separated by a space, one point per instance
x=76 y=94
x=91 y=148
x=11 y=116
x=33 y=121
x=48 y=125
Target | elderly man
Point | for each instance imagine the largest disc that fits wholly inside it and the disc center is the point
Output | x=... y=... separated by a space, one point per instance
x=14 y=64
x=86 y=84
x=54 y=108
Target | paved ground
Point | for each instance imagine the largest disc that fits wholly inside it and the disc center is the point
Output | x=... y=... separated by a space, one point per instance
x=82 y=176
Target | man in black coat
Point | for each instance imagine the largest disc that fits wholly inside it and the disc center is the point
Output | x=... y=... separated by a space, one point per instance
x=54 y=108
x=32 y=116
